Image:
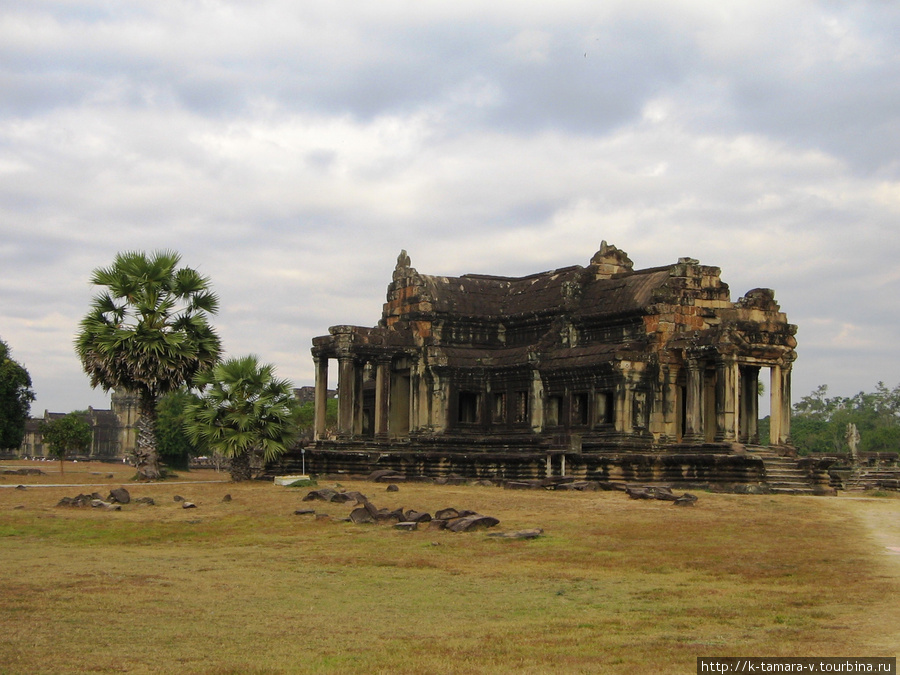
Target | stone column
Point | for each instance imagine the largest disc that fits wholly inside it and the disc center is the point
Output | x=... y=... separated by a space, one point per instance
x=749 y=422
x=536 y=409
x=382 y=398
x=786 y=405
x=693 y=426
x=725 y=400
x=776 y=405
x=321 y=396
x=346 y=396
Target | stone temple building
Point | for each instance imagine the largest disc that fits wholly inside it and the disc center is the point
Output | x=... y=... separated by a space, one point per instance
x=599 y=371
x=113 y=432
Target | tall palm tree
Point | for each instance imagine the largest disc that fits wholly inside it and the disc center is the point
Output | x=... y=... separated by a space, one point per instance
x=148 y=332
x=244 y=413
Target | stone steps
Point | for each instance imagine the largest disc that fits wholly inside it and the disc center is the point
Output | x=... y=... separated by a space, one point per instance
x=783 y=476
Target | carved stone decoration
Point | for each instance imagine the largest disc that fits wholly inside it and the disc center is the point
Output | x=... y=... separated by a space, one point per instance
x=404 y=268
x=609 y=260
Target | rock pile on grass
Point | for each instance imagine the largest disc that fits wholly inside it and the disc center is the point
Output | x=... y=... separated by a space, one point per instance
x=366 y=512
x=662 y=493
x=93 y=500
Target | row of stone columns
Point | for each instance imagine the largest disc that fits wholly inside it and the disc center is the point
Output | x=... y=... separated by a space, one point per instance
x=736 y=402
x=350 y=380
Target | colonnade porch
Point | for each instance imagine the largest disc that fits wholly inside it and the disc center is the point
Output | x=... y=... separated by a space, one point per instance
x=715 y=400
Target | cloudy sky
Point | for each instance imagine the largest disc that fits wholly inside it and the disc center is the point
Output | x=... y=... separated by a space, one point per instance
x=289 y=150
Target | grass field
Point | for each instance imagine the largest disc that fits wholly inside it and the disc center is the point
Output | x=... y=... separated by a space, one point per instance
x=613 y=586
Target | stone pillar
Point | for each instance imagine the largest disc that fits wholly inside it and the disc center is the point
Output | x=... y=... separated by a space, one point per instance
x=749 y=422
x=725 y=400
x=321 y=396
x=358 y=380
x=786 y=404
x=775 y=405
x=548 y=470
x=536 y=409
x=693 y=426
x=346 y=396
x=382 y=398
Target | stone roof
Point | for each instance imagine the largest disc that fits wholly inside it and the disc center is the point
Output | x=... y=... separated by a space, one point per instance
x=547 y=293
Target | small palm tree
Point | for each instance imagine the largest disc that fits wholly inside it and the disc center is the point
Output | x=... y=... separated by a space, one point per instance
x=148 y=333
x=244 y=413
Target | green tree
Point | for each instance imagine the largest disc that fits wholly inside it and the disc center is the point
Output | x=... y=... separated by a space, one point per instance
x=66 y=434
x=819 y=421
x=173 y=443
x=243 y=413
x=148 y=332
x=306 y=416
x=16 y=396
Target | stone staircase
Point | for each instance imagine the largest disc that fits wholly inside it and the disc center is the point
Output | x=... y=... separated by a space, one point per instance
x=783 y=476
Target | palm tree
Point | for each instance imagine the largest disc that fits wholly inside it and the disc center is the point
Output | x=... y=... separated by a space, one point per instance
x=148 y=333
x=244 y=413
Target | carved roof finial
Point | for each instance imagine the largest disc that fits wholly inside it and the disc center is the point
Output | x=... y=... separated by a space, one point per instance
x=609 y=260
x=404 y=267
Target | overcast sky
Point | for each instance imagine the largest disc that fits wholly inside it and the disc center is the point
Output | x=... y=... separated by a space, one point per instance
x=289 y=150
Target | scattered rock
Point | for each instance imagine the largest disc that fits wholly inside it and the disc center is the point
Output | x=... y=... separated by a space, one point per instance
x=437 y=524
x=385 y=476
x=416 y=516
x=470 y=523
x=522 y=485
x=100 y=504
x=392 y=488
x=80 y=500
x=446 y=514
x=21 y=487
x=20 y=506
x=178 y=498
x=406 y=526
x=188 y=505
x=226 y=498
x=119 y=495
x=305 y=512
x=145 y=501
x=323 y=516
x=361 y=515
x=23 y=472
x=322 y=494
x=384 y=515
x=521 y=534
x=686 y=499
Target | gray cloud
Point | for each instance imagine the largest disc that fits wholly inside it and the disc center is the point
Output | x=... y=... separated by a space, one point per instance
x=289 y=151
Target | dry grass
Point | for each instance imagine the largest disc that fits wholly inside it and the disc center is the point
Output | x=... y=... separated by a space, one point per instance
x=614 y=586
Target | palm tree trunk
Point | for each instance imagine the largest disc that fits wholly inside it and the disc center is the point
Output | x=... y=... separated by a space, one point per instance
x=240 y=467
x=146 y=459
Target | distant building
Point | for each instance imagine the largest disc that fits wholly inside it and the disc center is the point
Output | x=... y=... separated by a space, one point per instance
x=114 y=431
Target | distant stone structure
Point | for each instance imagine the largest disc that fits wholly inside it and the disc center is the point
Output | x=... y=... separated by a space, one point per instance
x=596 y=370
x=114 y=431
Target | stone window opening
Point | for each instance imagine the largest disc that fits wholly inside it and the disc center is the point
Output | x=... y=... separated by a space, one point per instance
x=581 y=413
x=554 y=410
x=468 y=407
x=499 y=408
x=605 y=408
x=522 y=406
